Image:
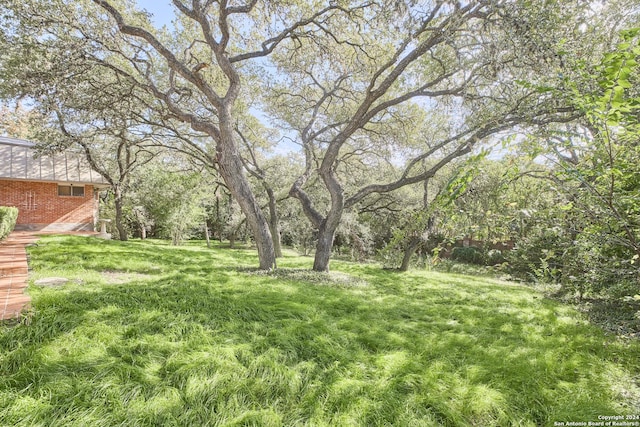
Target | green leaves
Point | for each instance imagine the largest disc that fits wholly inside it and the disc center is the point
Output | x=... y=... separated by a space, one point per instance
x=598 y=175
x=459 y=182
x=617 y=76
x=536 y=87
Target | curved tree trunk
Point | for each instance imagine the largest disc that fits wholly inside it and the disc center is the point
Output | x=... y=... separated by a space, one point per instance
x=408 y=253
x=328 y=226
x=326 y=234
x=231 y=170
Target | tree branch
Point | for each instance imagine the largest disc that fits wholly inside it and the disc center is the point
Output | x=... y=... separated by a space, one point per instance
x=171 y=59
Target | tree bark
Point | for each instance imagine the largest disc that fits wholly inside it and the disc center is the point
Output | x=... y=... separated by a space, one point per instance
x=231 y=169
x=118 y=200
x=206 y=233
x=273 y=223
x=228 y=158
x=408 y=253
x=323 y=248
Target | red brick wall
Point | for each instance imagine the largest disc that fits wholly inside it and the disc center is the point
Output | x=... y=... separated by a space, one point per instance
x=40 y=207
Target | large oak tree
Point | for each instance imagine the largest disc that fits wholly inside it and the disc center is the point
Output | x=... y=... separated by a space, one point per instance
x=358 y=82
x=194 y=73
x=420 y=85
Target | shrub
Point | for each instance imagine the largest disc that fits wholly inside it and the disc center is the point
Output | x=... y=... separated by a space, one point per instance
x=587 y=264
x=469 y=255
x=538 y=257
x=495 y=257
x=8 y=217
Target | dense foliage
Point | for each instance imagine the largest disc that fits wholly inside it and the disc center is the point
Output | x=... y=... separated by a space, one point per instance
x=8 y=217
x=590 y=241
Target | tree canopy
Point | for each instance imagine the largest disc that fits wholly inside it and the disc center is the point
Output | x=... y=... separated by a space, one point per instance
x=376 y=96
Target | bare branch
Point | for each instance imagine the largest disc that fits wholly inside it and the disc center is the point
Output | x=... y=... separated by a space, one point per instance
x=269 y=45
x=171 y=59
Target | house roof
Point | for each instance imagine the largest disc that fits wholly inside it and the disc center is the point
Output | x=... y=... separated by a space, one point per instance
x=18 y=160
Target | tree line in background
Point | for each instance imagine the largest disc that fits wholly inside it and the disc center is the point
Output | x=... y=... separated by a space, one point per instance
x=406 y=125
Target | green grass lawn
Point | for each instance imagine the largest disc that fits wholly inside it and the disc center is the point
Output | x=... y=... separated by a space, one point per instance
x=146 y=334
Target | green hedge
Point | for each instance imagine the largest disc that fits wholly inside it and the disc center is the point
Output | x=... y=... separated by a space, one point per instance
x=469 y=254
x=8 y=217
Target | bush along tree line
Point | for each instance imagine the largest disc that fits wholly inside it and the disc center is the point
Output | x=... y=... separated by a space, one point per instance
x=8 y=217
x=352 y=129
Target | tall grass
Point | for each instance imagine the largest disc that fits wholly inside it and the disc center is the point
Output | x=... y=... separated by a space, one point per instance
x=146 y=334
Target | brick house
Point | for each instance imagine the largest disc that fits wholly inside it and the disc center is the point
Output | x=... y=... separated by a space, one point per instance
x=52 y=193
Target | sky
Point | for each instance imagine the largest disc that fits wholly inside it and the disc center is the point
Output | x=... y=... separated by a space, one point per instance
x=162 y=11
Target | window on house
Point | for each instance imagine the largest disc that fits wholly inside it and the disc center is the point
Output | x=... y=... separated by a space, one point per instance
x=70 y=190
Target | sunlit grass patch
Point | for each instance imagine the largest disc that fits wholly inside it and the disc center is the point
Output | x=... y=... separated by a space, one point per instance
x=333 y=278
x=193 y=336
